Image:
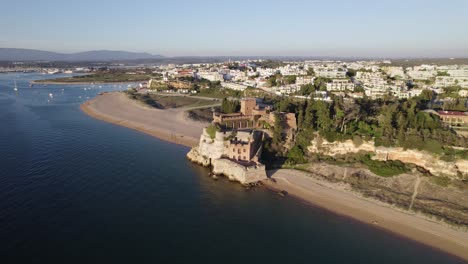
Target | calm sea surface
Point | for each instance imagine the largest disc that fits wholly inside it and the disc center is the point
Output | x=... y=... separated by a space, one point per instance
x=78 y=190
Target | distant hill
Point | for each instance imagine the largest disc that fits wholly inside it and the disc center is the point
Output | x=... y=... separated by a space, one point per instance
x=9 y=54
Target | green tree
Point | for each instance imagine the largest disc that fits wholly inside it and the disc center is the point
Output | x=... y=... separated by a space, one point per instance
x=290 y=79
x=278 y=129
x=324 y=122
x=229 y=106
x=307 y=89
x=296 y=155
x=351 y=73
x=309 y=115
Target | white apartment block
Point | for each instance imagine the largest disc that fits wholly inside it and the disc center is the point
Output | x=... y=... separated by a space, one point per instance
x=446 y=81
x=371 y=80
x=238 y=76
x=291 y=70
x=332 y=74
x=234 y=86
x=458 y=73
x=408 y=94
x=340 y=85
x=286 y=89
x=266 y=72
x=211 y=76
x=374 y=93
x=421 y=75
x=302 y=80
x=394 y=71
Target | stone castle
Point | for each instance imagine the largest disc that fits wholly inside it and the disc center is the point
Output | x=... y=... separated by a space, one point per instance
x=253 y=115
x=235 y=150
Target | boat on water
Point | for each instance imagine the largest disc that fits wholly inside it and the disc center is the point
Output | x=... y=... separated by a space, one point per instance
x=16 y=87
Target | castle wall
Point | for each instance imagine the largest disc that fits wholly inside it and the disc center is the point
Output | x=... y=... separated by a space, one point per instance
x=238 y=172
x=214 y=152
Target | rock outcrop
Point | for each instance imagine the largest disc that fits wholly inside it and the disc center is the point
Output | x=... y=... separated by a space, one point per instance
x=423 y=159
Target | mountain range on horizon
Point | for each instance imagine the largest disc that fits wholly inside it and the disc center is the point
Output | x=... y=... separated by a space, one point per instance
x=13 y=54
x=34 y=55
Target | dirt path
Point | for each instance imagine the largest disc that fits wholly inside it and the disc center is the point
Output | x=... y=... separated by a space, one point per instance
x=415 y=193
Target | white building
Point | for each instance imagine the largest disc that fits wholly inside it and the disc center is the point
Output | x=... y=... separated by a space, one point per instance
x=445 y=81
x=211 y=76
x=463 y=93
x=394 y=71
x=234 y=86
x=333 y=74
x=340 y=85
x=458 y=73
x=421 y=74
x=302 y=80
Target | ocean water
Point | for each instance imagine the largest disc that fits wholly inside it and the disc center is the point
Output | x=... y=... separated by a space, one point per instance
x=77 y=190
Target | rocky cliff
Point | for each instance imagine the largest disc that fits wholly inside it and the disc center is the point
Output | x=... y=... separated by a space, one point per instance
x=422 y=159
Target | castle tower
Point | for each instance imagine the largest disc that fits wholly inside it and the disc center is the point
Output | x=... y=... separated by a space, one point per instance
x=248 y=105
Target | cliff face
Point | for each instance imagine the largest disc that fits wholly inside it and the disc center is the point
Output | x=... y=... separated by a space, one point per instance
x=413 y=192
x=420 y=158
x=212 y=152
x=207 y=150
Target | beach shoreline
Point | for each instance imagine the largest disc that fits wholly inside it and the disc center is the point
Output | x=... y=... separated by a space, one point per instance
x=173 y=126
x=332 y=197
x=169 y=125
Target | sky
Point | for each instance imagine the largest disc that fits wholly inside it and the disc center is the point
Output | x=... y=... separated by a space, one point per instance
x=358 y=28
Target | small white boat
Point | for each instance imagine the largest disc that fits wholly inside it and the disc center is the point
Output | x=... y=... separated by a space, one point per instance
x=16 y=87
x=51 y=95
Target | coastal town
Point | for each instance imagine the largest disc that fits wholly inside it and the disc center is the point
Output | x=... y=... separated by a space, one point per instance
x=251 y=131
x=301 y=80
x=247 y=118
x=374 y=79
x=367 y=124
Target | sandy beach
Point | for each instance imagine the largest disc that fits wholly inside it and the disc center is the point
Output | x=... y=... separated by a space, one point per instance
x=333 y=198
x=172 y=125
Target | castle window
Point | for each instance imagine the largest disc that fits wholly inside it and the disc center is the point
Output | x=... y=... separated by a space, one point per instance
x=244 y=150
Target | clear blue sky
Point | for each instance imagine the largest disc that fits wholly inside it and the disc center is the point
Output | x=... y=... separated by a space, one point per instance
x=207 y=27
